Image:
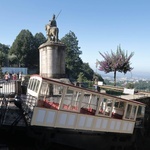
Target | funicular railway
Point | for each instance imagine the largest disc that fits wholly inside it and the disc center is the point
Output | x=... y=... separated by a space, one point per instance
x=65 y=114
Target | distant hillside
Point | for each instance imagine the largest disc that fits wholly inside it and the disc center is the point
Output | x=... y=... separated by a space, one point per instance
x=134 y=74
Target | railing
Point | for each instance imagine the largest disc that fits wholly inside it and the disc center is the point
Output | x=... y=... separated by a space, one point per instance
x=12 y=86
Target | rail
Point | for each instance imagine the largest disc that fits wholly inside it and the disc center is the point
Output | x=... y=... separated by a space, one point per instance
x=12 y=86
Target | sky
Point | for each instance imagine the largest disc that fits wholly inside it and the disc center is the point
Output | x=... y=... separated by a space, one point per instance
x=99 y=25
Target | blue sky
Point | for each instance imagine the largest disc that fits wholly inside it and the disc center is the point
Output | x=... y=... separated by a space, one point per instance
x=100 y=25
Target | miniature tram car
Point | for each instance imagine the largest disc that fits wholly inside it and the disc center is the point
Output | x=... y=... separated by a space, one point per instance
x=71 y=115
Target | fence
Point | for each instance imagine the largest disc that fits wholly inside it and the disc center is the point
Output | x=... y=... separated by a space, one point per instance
x=12 y=86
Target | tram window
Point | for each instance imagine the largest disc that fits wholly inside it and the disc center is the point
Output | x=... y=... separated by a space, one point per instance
x=90 y=102
x=37 y=85
x=116 y=104
x=57 y=89
x=119 y=104
x=109 y=107
x=94 y=101
x=44 y=89
x=131 y=110
x=105 y=107
x=128 y=111
x=69 y=91
x=141 y=111
x=132 y=115
x=33 y=85
x=71 y=100
x=30 y=84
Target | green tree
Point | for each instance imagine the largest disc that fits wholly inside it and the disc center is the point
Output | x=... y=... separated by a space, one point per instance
x=81 y=78
x=39 y=39
x=98 y=77
x=130 y=85
x=72 y=60
x=23 y=48
x=113 y=62
x=12 y=59
x=4 y=49
x=87 y=71
x=1 y=73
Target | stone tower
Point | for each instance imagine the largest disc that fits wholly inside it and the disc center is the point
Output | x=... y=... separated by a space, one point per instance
x=52 y=53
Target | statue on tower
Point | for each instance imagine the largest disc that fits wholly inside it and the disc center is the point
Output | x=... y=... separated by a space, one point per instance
x=52 y=30
x=53 y=22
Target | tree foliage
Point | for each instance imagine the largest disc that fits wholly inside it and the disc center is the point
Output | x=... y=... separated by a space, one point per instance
x=75 y=68
x=87 y=71
x=4 y=49
x=72 y=59
x=81 y=77
x=115 y=61
x=130 y=85
x=39 y=39
x=23 y=48
x=98 y=77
